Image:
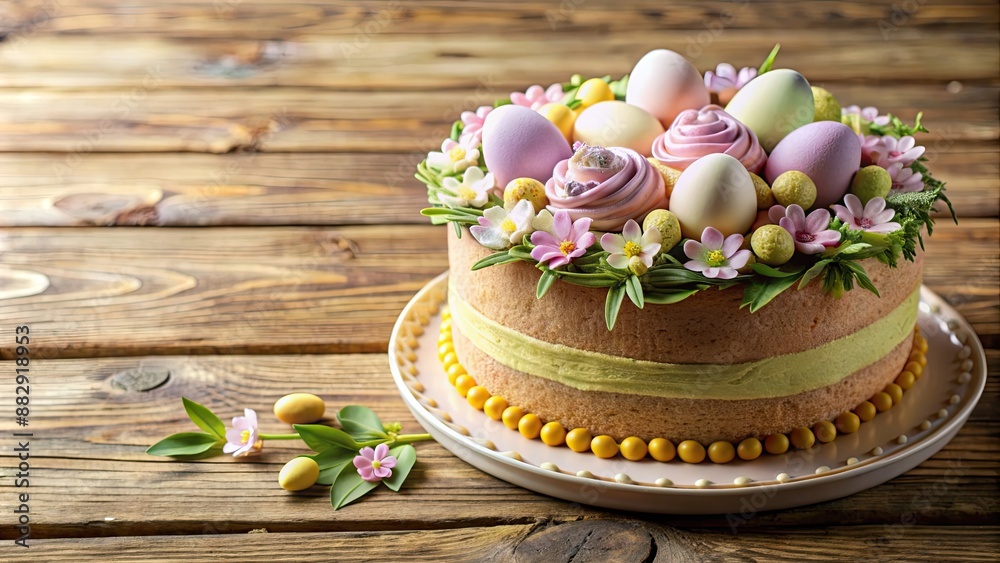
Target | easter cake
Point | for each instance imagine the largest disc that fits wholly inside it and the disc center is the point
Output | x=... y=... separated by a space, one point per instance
x=682 y=265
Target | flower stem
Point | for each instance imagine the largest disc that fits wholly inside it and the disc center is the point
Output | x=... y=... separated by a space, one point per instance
x=280 y=437
x=410 y=438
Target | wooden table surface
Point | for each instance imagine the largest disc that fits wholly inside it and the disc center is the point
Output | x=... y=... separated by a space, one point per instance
x=218 y=196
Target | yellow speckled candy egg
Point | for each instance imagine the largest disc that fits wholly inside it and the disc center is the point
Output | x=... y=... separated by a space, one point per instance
x=298 y=474
x=617 y=124
x=525 y=188
x=561 y=116
x=715 y=191
x=299 y=408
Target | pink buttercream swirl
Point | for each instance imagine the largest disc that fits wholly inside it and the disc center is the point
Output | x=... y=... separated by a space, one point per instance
x=709 y=130
x=609 y=185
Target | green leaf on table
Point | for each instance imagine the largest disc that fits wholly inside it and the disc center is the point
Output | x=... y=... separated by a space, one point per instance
x=361 y=423
x=405 y=456
x=331 y=462
x=545 y=282
x=320 y=438
x=633 y=288
x=613 y=304
x=184 y=444
x=348 y=487
x=204 y=418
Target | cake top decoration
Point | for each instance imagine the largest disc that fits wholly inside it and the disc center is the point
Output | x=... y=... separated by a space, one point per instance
x=752 y=178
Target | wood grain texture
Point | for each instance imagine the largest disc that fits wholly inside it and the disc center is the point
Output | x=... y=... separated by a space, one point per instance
x=587 y=540
x=459 y=57
x=101 y=292
x=89 y=464
x=151 y=117
x=251 y=188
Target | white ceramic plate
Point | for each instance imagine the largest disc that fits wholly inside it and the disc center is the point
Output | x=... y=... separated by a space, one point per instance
x=931 y=414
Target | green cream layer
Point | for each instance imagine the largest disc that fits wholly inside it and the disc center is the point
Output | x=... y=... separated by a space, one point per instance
x=768 y=378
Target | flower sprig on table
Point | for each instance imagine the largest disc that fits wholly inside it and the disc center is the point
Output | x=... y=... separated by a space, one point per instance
x=352 y=459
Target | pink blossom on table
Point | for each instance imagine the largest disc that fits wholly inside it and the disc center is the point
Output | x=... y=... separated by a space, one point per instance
x=716 y=256
x=536 y=97
x=891 y=150
x=869 y=113
x=872 y=217
x=726 y=80
x=472 y=126
x=567 y=240
x=243 y=439
x=632 y=242
x=904 y=179
x=811 y=234
x=869 y=148
x=374 y=465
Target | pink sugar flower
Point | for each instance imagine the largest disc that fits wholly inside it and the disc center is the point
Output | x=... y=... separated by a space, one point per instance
x=891 y=150
x=872 y=217
x=716 y=256
x=472 y=126
x=904 y=179
x=726 y=81
x=243 y=439
x=632 y=242
x=536 y=97
x=776 y=213
x=811 y=234
x=869 y=113
x=567 y=240
x=870 y=145
x=374 y=465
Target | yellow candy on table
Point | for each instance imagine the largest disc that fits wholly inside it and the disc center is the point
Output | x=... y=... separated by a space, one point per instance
x=916 y=369
x=594 y=91
x=906 y=380
x=691 y=452
x=511 y=416
x=464 y=383
x=894 y=391
x=604 y=446
x=865 y=411
x=529 y=426
x=662 y=449
x=298 y=474
x=749 y=449
x=561 y=116
x=579 y=439
x=776 y=444
x=802 y=438
x=449 y=360
x=553 y=434
x=882 y=401
x=445 y=349
x=495 y=406
x=477 y=397
x=825 y=431
x=721 y=452
x=633 y=448
x=454 y=371
x=847 y=422
x=299 y=408
x=525 y=188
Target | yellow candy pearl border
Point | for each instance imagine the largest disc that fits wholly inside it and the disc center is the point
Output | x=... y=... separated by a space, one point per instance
x=633 y=448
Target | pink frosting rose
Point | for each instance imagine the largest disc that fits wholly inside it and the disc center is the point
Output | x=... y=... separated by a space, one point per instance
x=609 y=185
x=709 y=130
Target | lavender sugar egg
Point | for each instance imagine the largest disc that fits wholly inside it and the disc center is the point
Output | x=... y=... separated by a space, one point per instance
x=520 y=143
x=826 y=151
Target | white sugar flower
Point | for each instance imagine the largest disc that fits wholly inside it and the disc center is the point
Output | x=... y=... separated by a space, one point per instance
x=498 y=228
x=454 y=157
x=472 y=191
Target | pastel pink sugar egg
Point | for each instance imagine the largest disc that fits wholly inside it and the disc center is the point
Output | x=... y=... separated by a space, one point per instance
x=826 y=151
x=519 y=143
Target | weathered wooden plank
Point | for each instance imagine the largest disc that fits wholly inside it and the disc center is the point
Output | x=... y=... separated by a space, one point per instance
x=105 y=292
x=253 y=19
x=467 y=59
x=252 y=188
x=91 y=476
x=587 y=540
x=156 y=118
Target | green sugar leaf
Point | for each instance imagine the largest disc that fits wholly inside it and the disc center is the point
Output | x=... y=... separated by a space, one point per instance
x=320 y=438
x=348 y=487
x=185 y=444
x=361 y=423
x=204 y=418
x=405 y=456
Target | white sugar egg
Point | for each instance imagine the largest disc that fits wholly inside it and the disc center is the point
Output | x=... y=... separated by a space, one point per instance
x=715 y=191
x=664 y=84
x=618 y=124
